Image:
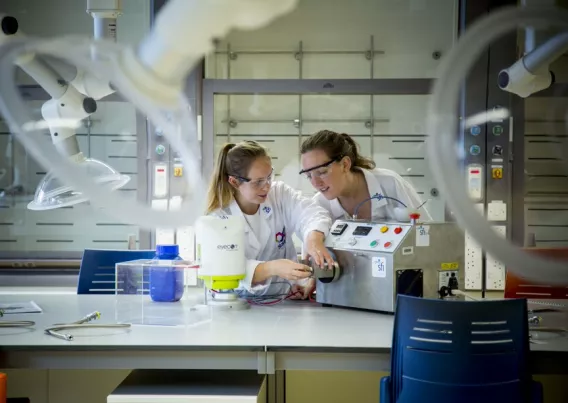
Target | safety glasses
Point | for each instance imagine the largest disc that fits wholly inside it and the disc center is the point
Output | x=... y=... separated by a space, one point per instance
x=319 y=171
x=256 y=183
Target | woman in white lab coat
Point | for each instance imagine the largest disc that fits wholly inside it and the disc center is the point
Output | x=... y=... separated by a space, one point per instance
x=345 y=179
x=242 y=185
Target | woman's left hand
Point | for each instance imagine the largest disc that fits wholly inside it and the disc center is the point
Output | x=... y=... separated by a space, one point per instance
x=315 y=248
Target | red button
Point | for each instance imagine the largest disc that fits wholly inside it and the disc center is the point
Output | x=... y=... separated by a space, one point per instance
x=387 y=244
x=397 y=230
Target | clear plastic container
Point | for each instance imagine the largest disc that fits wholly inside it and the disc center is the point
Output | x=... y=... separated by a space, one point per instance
x=166 y=280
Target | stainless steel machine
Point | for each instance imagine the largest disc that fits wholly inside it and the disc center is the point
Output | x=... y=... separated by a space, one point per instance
x=379 y=260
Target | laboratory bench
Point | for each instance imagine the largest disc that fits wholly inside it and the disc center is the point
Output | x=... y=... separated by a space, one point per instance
x=296 y=335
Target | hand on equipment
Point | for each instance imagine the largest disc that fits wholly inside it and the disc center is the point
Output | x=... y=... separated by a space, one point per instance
x=302 y=289
x=315 y=248
x=290 y=270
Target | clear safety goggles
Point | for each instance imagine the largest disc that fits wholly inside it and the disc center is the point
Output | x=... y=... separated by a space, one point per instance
x=320 y=172
x=257 y=183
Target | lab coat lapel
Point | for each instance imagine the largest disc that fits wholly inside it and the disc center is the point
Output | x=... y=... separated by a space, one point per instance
x=375 y=188
x=336 y=210
x=251 y=237
x=266 y=214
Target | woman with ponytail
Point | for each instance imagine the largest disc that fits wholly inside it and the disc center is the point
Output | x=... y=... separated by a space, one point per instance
x=242 y=185
x=344 y=179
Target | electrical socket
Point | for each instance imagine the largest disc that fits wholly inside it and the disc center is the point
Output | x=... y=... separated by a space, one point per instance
x=473 y=263
x=495 y=274
x=497 y=211
x=185 y=238
x=495 y=280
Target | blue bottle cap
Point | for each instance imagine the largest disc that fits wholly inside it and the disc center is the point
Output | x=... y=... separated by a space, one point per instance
x=167 y=250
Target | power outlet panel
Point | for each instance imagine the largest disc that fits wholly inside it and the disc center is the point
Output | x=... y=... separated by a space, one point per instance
x=473 y=264
x=497 y=211
x=164 y=236
x=495 y=270
x=185 y=238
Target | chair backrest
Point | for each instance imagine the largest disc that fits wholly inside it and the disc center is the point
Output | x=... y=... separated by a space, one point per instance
x=97 y=273
x=456 y=351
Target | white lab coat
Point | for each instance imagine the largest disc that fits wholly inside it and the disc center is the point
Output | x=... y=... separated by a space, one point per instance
x=384 y=182
x=284 y=212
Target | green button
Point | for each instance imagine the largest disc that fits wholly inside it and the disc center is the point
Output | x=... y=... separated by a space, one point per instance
x=374 y=243
x=497 y=130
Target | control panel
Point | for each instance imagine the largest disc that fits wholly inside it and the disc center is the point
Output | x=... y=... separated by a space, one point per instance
x=375 y=237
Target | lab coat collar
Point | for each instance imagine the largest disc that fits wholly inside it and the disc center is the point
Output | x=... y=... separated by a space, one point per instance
x=235 y=209
x=254 y=242
x=373 y=186
x=266 y=211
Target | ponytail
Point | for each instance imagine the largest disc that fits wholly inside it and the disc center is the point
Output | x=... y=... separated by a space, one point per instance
x=220 y=193
x=233 y=160
x=337 y=145
x=357 y=160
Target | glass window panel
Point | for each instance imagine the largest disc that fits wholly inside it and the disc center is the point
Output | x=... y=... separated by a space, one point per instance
x=262 y=66
x=256 y=114
x=400 y=114
x=268 y=119
x=111 y=139
x=396 y=141
x=256 y=107
x=336 y=106
x=216 y=66
x=335 y=66
x=403 y=35
x=221 y=114
x=546 y=171
x=343 y=113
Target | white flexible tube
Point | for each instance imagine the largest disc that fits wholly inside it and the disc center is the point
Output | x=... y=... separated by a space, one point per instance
x=441 y=144
x=152 y=87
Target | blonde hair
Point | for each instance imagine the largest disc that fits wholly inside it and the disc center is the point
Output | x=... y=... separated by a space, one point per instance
x=337 y=145
x=233 y=160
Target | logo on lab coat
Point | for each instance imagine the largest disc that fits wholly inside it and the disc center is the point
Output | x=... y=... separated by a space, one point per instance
x=281 y=238
x=266 y=209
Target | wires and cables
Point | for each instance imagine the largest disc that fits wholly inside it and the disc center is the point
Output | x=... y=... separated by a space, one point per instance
x=271 y=299
x=377 y=196
x=55 y=330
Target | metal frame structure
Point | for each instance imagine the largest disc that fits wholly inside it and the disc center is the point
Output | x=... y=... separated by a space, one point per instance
x=369 y=87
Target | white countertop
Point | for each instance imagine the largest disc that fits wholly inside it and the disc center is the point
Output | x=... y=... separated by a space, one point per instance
x=292 y=325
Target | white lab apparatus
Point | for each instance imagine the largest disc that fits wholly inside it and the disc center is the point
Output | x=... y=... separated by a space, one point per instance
x=221 y=247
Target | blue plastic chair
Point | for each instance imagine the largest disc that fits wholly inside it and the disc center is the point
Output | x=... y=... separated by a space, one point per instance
x=462 y=352
x=97 y=273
